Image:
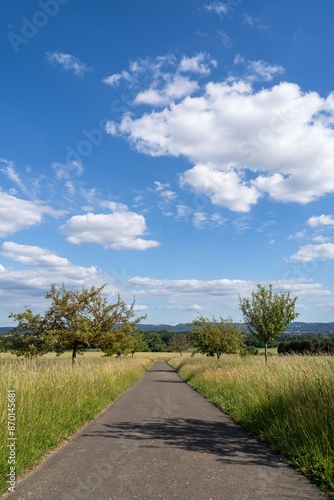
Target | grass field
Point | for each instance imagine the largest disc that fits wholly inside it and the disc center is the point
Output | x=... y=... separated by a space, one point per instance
x=289 y=405
x=53 y=401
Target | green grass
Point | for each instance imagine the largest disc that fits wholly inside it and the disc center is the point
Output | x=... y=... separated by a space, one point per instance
x=53 y=401
x=289 y=405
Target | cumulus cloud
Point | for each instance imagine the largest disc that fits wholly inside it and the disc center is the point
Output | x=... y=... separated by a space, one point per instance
x=197 y=64
x=223 y=188
x=27 y=285
x=253 y=142
x=321 y=220
x=17 y=214
x=68 y=62
x=119 y=230
x=178 y=87
x=312 y=252
x=163 y=78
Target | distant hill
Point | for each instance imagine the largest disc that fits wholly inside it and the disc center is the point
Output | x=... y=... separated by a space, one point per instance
x=295 y=327
x=4 y=329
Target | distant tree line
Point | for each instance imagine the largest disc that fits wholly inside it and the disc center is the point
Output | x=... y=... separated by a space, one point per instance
x=307 y=347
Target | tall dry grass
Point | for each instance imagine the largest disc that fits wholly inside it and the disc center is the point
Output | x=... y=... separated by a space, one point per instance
x=289 y=405
x=53 y=400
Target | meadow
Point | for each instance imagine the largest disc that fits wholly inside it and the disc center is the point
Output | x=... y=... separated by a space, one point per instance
x=289 y=405
x=53 y=401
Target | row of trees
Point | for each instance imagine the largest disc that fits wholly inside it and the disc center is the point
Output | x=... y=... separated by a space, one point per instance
x=77 y=321
x=307 y=347
x=266 y=314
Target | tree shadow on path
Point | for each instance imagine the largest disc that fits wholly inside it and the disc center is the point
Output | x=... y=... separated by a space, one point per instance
x=229 y=442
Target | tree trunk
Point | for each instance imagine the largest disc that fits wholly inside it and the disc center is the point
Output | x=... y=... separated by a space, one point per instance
x=74 y=356
x=266 y=354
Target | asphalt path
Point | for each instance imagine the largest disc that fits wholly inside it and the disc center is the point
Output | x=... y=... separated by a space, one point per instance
x=163 y=440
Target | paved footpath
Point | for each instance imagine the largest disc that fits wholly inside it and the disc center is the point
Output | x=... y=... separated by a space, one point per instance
x=163 y=440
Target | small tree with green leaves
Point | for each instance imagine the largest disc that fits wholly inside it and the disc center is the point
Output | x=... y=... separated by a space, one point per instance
x=215 y=337
x=268 y=314
x=26 y=339
x=116 y=326
x=179 y=342
x=138 y=342
x=71 y=322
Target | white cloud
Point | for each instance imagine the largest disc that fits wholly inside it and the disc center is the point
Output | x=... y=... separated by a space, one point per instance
x=264 y=71
x=114 y=206
x=320 y=239
x=196 y=64
x=217 y=7
x=227 y=42
x=168 y=195
x=222 y=291
x=9 y=170
x=312 y=252
x=277 y=134
x=199 y=219
x=250 y=20
x=259 y=70
x=321 y=220
x=223 y=188
x=160 y=186
x=299 y=234
x=17 y=214
x=113 y=80
x=176 y=88
x=32 y=255
x=138 y=307
x=162 y=190
x=27 y=286
x=68 y=62
x=68 y=170
x=118 y=231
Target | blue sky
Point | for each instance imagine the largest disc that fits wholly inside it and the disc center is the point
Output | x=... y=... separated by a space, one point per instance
x=181 y=152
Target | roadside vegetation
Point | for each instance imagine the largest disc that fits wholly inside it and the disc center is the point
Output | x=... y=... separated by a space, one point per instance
x=289 y=404
x=53 y=401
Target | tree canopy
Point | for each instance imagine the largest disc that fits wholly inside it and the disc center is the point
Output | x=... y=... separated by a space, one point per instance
x=75 y=320
x=268 y=314
x=215 y=337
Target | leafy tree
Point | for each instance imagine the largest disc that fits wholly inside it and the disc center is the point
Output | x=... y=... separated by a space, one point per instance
x=73 y=320
x=138 y=342
x=179 y=342
x=117 y=341
x=26 y=339
x=154 y=342
x=117 y=333
x=268 y=314
x=216 y=337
